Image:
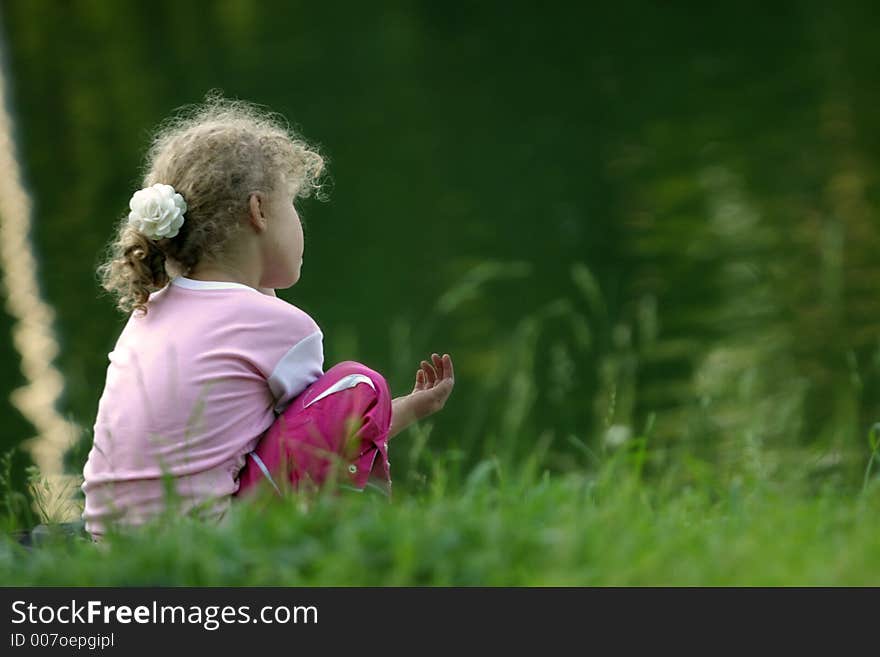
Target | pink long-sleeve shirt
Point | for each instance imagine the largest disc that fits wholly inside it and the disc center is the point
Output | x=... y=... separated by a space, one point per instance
x=191 y=387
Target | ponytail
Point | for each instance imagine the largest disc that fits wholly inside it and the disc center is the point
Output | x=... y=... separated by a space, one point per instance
x=135 y=267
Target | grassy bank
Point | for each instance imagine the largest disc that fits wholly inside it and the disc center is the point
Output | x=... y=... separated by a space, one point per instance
x=498 y=528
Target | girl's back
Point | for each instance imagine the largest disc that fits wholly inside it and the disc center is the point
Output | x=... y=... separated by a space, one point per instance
x=191 y=387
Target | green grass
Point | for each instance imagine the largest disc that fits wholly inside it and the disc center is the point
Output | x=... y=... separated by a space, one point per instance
x=726 y=492
x=495 y=528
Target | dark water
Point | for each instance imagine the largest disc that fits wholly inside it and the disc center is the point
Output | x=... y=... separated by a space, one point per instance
x=660 y=214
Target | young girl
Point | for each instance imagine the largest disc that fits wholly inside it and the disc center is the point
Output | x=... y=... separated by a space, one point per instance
x=215 y=384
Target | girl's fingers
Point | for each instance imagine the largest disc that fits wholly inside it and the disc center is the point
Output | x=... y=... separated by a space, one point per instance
x=430 y=374
x=420 y=380
x=439 y=369
x=448 y=372
x=443 y=365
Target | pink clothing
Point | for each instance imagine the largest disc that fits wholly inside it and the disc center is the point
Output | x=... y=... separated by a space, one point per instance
x=191 y=387
x=312 y=441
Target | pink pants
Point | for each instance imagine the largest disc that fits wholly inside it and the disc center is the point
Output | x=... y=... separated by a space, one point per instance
x=336 y=429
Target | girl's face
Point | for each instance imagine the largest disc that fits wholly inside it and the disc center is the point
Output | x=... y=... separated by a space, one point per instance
x=283 y=240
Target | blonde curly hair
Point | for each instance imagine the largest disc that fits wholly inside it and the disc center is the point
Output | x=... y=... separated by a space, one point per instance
x=215 y=154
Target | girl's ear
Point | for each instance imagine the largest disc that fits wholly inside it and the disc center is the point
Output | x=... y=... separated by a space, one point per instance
x=255 y=211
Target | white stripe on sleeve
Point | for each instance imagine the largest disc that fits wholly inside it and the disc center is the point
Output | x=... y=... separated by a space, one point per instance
x=301 y=366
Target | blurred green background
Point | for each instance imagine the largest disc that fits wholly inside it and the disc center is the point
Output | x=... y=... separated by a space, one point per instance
x=649 y=220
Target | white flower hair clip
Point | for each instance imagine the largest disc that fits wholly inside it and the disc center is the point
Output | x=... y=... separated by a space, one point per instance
x=157 y=211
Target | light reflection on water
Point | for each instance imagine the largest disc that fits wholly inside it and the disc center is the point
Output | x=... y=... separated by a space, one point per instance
x=33 y=337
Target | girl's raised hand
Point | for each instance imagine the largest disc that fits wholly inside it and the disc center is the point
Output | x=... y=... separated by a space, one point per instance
x=434 y=383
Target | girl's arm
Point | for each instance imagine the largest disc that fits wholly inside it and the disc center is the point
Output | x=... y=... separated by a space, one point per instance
x=433 y=386
x=402 y=415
